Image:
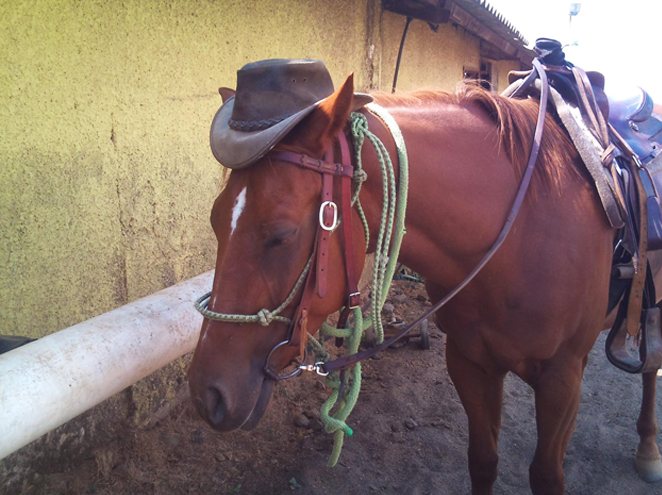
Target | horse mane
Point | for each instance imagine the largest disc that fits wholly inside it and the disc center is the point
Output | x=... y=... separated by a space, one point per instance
x=515 y=120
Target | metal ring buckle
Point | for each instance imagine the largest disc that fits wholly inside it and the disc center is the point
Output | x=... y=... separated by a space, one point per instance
x=354 y=300
x=334 y=209
x=275 y=375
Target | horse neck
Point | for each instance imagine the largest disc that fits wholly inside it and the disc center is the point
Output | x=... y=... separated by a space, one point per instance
x=456 y=201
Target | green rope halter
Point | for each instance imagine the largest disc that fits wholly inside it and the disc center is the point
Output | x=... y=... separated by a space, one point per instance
x=264 y=317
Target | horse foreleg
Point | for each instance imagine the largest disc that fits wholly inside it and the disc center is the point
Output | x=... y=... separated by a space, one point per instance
x=647 y=460
x=481 y=394
x=557 y=392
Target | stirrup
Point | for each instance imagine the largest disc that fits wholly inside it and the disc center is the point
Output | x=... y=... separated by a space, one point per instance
x=640 y=354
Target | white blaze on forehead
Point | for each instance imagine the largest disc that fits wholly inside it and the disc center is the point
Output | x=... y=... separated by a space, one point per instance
x=237 y=209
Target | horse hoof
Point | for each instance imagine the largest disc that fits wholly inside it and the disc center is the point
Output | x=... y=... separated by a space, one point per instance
x=649 y=469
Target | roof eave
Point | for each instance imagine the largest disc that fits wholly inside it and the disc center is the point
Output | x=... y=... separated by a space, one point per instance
x=500 y=39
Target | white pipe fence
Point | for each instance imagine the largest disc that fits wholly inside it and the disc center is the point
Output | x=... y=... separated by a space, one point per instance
x=50 y=381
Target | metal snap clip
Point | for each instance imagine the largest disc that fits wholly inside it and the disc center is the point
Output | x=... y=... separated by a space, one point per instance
x=318 y=368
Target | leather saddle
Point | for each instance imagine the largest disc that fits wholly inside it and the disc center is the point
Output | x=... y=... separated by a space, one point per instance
x=627 y=134
x=632 y=117
x=562 y=79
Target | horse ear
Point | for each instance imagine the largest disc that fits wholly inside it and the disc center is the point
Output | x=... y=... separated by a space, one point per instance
x=226 y=93
x=338 y=106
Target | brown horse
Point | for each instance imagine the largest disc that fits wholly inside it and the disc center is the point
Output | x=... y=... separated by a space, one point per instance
x=534 y=310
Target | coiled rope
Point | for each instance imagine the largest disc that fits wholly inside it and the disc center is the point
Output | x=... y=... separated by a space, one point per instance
x=346 y=385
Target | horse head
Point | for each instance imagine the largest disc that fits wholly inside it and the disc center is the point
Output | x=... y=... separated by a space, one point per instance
x=267 y=223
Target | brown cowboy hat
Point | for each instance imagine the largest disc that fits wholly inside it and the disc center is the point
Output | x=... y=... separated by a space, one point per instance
x=272 y=97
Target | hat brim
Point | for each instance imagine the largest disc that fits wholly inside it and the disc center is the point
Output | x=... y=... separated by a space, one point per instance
x=238 y=149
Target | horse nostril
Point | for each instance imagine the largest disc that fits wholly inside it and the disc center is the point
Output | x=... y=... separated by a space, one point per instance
x=215 y=406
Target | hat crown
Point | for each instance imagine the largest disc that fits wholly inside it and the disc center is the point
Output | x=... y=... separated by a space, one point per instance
x=271 y=90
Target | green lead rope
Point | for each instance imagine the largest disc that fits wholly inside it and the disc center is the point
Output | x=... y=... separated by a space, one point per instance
x=336 y=409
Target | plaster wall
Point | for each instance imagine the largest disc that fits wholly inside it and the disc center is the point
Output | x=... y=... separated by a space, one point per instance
x=430 y=60
x=106 y=178
x=500 y=70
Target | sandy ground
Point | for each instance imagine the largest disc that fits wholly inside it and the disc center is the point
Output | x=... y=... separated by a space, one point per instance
x=410 y=438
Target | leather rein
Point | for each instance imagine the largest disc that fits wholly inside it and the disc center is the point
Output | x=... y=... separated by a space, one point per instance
x=346 y=361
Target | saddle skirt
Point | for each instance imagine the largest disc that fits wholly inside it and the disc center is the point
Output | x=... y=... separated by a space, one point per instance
x=631 y=114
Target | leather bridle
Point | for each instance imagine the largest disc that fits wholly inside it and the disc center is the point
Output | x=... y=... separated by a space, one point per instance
x=329 y=218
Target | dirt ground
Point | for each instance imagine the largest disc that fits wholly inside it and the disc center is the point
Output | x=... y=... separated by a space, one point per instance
x=410 y=437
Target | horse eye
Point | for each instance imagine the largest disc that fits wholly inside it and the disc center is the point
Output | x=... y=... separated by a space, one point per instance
x=281 y=237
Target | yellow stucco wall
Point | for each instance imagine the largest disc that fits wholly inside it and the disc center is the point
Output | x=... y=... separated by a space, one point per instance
x=106 y=178
x=500 y=70
x=106 y=175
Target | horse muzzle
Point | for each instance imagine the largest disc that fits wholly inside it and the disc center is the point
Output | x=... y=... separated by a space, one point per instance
x=226 y=411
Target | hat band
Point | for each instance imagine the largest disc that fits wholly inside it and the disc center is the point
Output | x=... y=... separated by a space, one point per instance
x=253 y=125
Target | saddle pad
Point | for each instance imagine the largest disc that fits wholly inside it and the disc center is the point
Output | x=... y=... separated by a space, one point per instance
x=588 y=148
